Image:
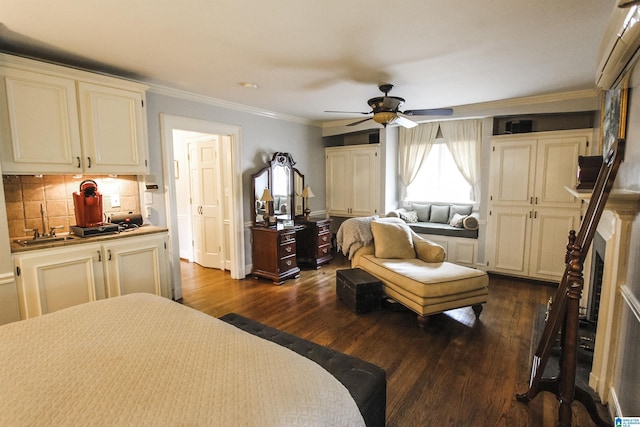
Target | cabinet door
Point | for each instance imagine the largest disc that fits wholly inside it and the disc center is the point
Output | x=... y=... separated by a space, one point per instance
x=364 y=181
x=557 y=168
x=137 y=265
x=339 y=182
x=50 y=280
x=113 y=129
x=513 y=172
x=43 y=132
x=508 y=239
x=549 y=237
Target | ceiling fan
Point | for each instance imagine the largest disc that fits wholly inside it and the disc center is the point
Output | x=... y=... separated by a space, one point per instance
x=386 y=110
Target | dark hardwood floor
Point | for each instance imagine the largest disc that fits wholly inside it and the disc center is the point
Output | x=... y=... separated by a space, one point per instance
x=459 y=371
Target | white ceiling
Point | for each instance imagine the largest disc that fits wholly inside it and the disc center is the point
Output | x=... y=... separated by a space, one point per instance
x=310 y=56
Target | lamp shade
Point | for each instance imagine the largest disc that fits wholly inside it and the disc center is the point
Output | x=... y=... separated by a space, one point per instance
x=306 y=192
x=266 y=196
x=385 y=117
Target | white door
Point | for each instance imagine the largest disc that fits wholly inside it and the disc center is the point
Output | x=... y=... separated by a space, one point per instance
x=364 y=182
x=338 y=182
x=509 y=228
x=206 y=203
x=513 y=172
x=549 y=238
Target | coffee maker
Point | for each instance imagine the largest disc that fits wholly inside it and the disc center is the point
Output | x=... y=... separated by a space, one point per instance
x=88 y=208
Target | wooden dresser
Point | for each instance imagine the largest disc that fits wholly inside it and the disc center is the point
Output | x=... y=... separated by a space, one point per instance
x=274 y=253
x=314 y=242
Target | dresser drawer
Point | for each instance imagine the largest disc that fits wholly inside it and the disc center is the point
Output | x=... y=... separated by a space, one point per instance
x=323 y=228
x=324 y=250
x=287 y=249
x=324 y=239
x=287 y=237
x=287 y=263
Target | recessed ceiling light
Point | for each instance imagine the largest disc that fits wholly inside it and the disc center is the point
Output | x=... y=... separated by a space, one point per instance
x=249 y=85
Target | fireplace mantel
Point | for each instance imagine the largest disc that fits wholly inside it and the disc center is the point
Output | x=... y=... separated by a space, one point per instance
x=621 y=202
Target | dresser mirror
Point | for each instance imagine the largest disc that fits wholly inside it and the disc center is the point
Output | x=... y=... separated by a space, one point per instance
x=284 y=182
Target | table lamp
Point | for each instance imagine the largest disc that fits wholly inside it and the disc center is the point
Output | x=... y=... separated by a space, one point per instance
x=266 y=198
x=306 y=193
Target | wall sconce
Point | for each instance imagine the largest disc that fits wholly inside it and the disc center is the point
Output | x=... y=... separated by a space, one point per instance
x=267 y=199
x=306 y=193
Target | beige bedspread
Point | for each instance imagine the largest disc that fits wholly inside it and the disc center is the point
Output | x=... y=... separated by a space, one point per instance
x=146 y=360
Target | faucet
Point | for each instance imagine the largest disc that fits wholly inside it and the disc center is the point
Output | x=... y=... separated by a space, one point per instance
x=44 y=234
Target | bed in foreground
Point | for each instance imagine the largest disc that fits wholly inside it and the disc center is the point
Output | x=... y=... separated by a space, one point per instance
x=143 y=359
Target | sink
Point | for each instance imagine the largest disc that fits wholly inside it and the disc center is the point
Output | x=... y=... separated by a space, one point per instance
x=43 y=240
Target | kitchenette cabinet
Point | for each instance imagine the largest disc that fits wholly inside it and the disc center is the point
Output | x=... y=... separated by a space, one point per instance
x=59 y=120
x=59 y=277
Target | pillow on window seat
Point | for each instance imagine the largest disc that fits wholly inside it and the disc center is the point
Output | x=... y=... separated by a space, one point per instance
x=439 y=214
x=408 y=216
x=457 y=220
x=423 y=211
x=463 y=210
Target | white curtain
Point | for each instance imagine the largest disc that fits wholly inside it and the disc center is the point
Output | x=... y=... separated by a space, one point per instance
x=414 y=146
x=464 y=140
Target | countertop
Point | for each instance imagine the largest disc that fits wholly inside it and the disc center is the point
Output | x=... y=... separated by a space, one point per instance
x=77 y=240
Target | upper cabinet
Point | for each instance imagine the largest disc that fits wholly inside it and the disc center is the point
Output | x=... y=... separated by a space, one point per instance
x=59 y=120
x=353 y=180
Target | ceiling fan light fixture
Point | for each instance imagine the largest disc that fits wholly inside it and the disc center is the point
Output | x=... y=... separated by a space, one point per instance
x=385 y=117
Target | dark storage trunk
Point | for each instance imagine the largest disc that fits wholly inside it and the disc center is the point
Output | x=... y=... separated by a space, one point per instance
x=359 y=290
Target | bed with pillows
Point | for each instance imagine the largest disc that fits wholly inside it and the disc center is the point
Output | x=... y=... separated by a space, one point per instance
x=440 y=219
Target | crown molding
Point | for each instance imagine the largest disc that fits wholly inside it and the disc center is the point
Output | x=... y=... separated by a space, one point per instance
x=215 y=102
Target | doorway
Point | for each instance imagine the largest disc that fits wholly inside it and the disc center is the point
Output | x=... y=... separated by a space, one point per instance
x=228 y=238
x=202 y=177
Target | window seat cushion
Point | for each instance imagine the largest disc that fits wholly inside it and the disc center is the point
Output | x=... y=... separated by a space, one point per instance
x=442 y=230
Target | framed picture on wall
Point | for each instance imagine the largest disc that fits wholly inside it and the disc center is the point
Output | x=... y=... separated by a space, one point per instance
x=613 y=117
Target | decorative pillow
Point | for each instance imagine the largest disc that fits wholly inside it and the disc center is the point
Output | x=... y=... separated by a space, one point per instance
x=428 y=251
x=392 y=240
x=408 y=216
x=283 y=208
x=259 y=204
x=439 y=214
x=423 y=211
x=470 y=222
x=457 y=220
x=459 y=209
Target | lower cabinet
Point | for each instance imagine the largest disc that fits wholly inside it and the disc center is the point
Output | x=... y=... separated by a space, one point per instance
x=530 y=243
x=52 y=279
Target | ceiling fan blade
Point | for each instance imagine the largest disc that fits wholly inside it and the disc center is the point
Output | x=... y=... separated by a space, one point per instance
x=404 y=122
x=430 y=112
x=359 y=121
x=348 y=112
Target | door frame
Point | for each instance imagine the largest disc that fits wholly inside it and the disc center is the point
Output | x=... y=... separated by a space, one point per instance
x=167 y=124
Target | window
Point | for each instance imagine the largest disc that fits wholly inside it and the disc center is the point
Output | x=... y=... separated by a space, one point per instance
x=439 y=179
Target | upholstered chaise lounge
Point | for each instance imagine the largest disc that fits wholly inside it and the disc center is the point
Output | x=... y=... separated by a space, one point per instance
x=413 y=270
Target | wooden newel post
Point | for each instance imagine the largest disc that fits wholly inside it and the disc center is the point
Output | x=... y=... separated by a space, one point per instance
x=569 y=339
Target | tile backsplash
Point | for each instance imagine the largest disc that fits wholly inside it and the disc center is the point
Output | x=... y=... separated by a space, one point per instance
x=26 y=195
